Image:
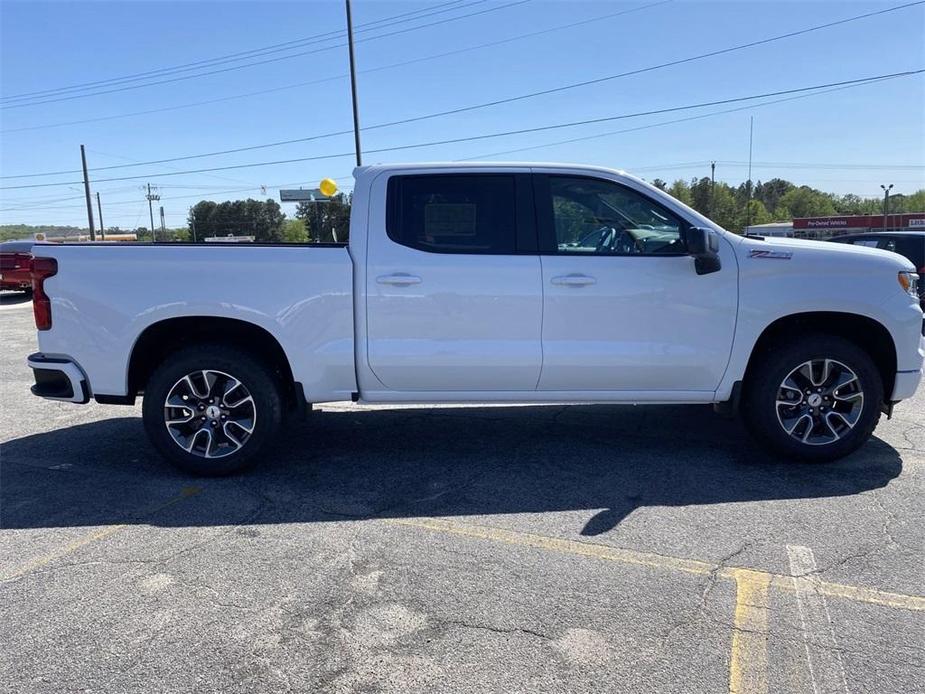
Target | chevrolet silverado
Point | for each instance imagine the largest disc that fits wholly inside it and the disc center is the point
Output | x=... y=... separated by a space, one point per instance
x=483 y=283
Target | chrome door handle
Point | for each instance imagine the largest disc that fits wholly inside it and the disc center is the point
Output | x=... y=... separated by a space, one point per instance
x=399 y=279
x=573 y=280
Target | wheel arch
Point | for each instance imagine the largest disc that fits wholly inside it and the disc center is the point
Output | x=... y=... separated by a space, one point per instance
x=867 y=333
x=159 y=339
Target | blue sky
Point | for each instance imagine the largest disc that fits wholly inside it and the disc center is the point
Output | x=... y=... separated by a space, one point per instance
x=850 y=140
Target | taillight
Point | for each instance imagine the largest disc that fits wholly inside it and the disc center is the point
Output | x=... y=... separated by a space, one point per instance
x=42 y=269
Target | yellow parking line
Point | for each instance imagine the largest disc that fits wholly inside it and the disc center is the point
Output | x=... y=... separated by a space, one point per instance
x=656 y=561
x=92 y=537
x=555 y=544
x=748 y=661
x=868 y=595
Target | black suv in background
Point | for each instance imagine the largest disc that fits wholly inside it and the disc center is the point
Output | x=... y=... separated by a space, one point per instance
x=910 y=244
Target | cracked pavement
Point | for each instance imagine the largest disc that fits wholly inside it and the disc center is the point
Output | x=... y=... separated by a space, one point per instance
x=124 y=575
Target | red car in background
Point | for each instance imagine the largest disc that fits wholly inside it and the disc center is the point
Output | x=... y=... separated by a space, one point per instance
x=15 y=265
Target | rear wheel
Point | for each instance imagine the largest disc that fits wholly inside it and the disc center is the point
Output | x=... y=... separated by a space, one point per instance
x=816 y=399
x=212 y=409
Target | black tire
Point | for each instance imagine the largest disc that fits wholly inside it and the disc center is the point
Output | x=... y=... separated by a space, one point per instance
x=766 y=420
x=263 y=414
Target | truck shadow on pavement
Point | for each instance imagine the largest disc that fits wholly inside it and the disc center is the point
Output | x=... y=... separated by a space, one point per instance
x=605 y=461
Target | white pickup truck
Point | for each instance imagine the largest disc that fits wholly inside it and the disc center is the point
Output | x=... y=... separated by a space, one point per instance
x=483 y=283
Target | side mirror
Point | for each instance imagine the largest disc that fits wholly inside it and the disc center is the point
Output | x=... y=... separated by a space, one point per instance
x=703 y=245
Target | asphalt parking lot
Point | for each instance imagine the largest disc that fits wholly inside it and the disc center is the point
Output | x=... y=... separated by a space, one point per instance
x=478 y=549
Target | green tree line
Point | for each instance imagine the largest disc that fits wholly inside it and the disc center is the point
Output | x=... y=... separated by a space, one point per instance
x=266 y=222
x=777 y=200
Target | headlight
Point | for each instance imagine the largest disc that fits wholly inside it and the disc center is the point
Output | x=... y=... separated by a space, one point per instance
x=909 y=281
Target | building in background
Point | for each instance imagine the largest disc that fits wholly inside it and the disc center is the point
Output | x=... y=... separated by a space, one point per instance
x=772 y=229
x=127 y=237
x=827 y=227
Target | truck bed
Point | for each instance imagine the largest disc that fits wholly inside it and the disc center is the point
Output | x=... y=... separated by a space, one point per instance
x=105 y=295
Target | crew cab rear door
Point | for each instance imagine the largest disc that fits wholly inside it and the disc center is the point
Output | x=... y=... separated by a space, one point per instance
x=624 y=308
x=453 y=282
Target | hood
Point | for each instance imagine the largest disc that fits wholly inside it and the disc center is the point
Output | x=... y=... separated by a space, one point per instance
x=823 y=250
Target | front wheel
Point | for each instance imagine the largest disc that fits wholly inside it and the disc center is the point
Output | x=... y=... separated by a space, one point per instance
x=814 y=399
x=211 y=409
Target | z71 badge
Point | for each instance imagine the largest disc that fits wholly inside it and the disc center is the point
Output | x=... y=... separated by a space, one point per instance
x=773 y=255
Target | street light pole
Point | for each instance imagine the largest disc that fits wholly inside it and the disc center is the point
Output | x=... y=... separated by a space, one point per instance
x=886 y=203
x=353 y=86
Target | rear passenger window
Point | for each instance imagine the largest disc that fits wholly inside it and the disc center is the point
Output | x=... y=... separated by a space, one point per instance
x=468 y=213
x=887 y=244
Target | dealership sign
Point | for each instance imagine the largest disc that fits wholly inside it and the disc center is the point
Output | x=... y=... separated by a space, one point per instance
x=303 y=195
x=895 y=221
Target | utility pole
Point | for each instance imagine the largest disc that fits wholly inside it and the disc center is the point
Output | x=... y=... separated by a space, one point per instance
x=99 y=207
x=163 y=226
x=192 y=225
x=748 y=209
x=151 y=198
x=83 y=160
x=353 y=86
x=886 y=202
x=751 y=131
x=712 y=186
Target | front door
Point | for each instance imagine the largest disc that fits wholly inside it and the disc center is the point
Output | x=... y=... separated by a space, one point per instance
x=624 y=309
x=454 y=295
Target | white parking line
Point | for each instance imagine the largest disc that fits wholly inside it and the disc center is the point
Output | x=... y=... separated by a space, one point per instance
x=826 y=669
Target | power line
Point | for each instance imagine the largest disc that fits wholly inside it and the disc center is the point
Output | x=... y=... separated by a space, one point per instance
x=463 y=109
x=286 y=45
x=838 y=167
x=136 y=162
x=263 y=62
x=391 y=66
x=639 y=71
x=675 y=121
x=855 y=82
x=521 y=97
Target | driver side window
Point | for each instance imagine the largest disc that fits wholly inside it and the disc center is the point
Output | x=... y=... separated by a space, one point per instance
x=594 y=216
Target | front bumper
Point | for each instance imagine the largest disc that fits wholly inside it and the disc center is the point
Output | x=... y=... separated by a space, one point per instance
x=58 y=378
x=905 y=385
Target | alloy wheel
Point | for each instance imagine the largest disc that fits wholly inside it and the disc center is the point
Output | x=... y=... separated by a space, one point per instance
x=210 y=414
x=819 y=402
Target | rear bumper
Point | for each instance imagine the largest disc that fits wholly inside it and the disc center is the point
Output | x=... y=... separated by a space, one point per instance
x=15 y=283
x=58 y=378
